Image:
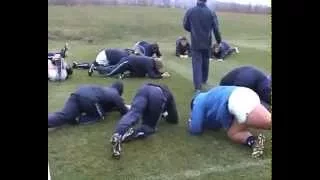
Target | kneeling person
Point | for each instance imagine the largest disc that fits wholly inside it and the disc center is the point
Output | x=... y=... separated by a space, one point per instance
x=135 y=66
x=88 y=104
x=149 y=103
x=250 y=77
x=58 y=69
x=235 y=109
x=106 y=57
x=147 y=49
x=183 y=47
x=222 y=51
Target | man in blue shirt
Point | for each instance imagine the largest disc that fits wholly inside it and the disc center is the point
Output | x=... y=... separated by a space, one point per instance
x=200 y=21
x=235 y=109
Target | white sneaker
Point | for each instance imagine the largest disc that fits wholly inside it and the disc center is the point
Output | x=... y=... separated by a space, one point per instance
x=237 y=50
x=219 y=60
x=210 y=59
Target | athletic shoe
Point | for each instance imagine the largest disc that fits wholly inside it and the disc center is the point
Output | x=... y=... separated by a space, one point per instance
x=211 y=59
x=116 y=145
x=237 y=50
x=74 y=65
x=258 y=147
x=220 y=60
x=128 y=136
x=91 y=69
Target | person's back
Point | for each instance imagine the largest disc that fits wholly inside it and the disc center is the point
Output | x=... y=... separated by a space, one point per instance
x=91 y=92
x=115 y=55
x=200 y=21
x=201 y=24
x=140 y=65
x=210 y=109
x=250 y=77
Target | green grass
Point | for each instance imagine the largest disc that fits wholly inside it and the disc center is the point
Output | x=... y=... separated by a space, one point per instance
x=83 y=152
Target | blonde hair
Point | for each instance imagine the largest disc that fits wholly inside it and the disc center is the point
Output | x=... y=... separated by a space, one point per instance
x=159 y=64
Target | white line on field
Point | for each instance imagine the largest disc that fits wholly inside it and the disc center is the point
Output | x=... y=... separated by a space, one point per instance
x=213 y=169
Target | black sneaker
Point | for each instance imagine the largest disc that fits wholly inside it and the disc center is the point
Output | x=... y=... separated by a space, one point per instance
x=91 y=69
x=116 y=146
x=74 y=65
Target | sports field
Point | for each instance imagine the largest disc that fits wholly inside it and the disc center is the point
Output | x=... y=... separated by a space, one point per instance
x=83 y=152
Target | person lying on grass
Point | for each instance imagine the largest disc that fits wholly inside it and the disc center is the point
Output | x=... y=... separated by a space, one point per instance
x=62 y=53
x=183 y=47
x=235 y=109
x=89 y=104
x=135 y=66
x=151 y=103
x=58 y=69
x=106 y=57
x=250 y=77
x=145 y=48
x=222 y=51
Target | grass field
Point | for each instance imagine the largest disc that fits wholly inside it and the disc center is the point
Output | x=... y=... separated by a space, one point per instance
x=83 y=152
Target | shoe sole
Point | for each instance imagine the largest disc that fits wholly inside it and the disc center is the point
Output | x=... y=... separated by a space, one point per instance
x=115 y=154
x=259 y=153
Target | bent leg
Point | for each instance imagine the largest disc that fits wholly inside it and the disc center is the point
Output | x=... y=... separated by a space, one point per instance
x=132 y=117
x=67 y=115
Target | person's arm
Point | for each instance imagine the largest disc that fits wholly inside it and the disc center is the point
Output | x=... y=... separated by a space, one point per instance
x=215 y=26
x=197 y=117
x=178 y=50
x=152 y=73
x=158 y=53
x=119 y=104
x=172 y=116
x=186 y=22
x=188 y=49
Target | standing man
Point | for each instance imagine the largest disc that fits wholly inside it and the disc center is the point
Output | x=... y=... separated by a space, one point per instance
x=200 y=22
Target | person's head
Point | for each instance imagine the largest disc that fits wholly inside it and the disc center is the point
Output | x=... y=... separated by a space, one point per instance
x=118 y=86
x=155 y=47
x=159 y=65
x=184 y=41
x=216 y=48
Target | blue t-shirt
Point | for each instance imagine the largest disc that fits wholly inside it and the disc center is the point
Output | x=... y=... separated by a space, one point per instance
x=210 y=110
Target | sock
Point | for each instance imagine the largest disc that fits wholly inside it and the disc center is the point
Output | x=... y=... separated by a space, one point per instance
x=250 y=141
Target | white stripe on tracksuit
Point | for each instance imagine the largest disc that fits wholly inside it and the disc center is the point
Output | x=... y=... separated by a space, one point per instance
x=118 y=66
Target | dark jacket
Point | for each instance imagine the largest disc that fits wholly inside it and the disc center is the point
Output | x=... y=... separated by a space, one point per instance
x=139 y=66
x=106 y=98
x=182 y=50
x=250 y=77
x=115 y=55
x=170 y=104
x=200 y=22
x=149 y=49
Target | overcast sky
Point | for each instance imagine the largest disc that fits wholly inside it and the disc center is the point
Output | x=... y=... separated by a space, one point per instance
x=253 y=2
